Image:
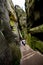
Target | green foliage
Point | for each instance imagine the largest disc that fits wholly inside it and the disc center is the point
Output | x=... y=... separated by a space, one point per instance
x=16 y=54
x=22 y=34
x=39 y=46
x=28 y=38
x=36 y=44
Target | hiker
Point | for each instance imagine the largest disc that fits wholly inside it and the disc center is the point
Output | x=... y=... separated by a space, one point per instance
x=23 y=42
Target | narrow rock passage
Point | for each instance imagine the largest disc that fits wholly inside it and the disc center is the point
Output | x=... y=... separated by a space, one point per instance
x=30 y=57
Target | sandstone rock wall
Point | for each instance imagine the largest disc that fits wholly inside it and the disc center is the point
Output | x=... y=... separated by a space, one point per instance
x=7 y=35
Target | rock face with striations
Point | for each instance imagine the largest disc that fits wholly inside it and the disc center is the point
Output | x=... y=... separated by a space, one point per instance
x=8 y=39
x=34 y=22
x=34 y=12
x=21 y=15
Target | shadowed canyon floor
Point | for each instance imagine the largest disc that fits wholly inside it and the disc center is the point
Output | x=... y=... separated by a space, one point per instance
x=30 y=57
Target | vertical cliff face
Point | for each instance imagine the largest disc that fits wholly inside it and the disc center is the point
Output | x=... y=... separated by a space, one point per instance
x=4 y=17
x=29 y=6
x=21 y=17
x=7 y=15
x=4 y=25
x=8 y=37
x=34 y=12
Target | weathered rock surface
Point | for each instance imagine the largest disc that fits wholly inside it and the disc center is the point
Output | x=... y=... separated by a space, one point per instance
x=21 y=15
x=34 y=12
x=34 y=16
x=7 y=36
